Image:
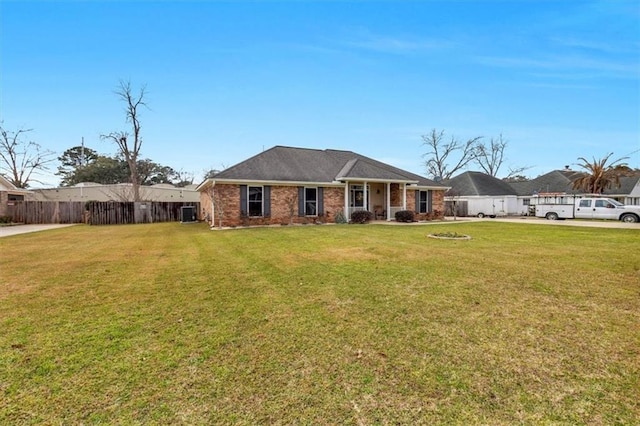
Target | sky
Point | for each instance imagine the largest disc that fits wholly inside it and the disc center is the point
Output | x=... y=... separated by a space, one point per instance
x=226 y=80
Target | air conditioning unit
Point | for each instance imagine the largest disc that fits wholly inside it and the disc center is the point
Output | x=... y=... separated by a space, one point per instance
x=188 y=214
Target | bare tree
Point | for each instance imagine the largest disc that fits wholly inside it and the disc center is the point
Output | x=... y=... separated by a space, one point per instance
x=490 y=157
x=217 y=205
x=515 y=174
x=130 y=149
x=441 y=152
x=454 y=198
x=20 y=160
x=291 y=202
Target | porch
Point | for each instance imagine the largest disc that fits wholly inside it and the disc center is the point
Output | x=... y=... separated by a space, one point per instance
x=383 y=199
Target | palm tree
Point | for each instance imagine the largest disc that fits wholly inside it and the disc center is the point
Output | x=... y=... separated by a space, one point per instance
x=600 y=175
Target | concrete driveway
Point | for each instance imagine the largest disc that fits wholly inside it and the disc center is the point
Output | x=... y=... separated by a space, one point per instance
x=7 y=231
x=569 y=222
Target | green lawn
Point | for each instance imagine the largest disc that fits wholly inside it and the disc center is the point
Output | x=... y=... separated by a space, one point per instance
x=350 y=324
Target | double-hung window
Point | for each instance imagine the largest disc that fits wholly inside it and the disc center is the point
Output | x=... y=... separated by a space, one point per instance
x=254 y=201
x=311 y=201
x=423 y=202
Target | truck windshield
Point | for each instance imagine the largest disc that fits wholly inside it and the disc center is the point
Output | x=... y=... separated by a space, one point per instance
x=615 y=203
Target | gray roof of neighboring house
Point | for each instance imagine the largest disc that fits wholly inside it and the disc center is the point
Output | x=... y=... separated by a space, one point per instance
x=627 y=183
x=477 y=184
x=555 y=181
x=289 y=164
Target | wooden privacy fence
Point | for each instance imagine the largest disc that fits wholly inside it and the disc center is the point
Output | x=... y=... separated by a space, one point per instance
x=96 y=212
x=462 y=208
x=39 y=212
x=117 y=213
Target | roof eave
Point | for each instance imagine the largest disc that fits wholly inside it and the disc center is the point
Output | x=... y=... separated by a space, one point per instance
x=375 y=180
x=273 y=182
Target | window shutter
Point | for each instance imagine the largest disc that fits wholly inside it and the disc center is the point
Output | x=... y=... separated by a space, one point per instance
x=301 y=201
x=417 y=201
x=243 y=200
x=429 y=201
x=267 y=200
x=320 y=201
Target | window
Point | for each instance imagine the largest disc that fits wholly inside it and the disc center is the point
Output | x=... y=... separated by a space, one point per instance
x=311 y=201
x=585 y=203
x=526 y=201
x=15 y=197
x=254 y=201
x=423 y=202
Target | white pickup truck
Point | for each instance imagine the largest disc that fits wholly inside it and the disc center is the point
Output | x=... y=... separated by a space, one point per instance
x=590 y=208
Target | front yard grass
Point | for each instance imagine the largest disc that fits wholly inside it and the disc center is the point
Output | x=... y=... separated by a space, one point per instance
x=373 y=324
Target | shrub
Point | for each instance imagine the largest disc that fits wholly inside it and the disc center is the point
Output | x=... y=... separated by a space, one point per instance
x=361 y=216
x=339 y=217
x=5 y=219
x=404 y=216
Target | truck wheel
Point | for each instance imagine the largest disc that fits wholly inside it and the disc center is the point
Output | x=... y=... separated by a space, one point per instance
x=480 y=215
x=552 y=216
x=629 y=218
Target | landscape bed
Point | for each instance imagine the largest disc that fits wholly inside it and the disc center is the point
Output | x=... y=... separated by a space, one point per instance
x=371 y=324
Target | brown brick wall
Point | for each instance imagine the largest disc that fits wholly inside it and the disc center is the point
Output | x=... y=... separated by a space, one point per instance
x=437 y=205
x=395 y=194
x=227 y=204
x=284 y=206
x=283 y=198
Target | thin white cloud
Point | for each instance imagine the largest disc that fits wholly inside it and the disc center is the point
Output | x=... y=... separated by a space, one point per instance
x=567 y=63
x=619 y=47
x=364 y=39
x=396 y=45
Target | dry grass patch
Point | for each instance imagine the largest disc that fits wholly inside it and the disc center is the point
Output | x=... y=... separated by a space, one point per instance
x=326 y=324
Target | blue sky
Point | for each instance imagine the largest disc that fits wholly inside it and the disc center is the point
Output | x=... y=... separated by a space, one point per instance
x=225 y=80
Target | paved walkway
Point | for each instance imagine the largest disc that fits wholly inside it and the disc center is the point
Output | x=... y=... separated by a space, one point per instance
x=6 y=231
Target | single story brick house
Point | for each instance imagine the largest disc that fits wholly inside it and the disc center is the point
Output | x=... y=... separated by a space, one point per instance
x=284 y=185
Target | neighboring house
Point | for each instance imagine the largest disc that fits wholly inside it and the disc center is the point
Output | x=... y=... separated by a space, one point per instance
x=553 y=187
x=628 y=193
x=9 y=194
x=557 y=187
x=479 y=194
x=285 y=185
x=117 y=192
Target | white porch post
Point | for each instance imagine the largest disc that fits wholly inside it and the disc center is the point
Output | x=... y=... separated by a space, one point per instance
x=404 y=196
x=388 y=201
x=346 y=200
x=365 y=204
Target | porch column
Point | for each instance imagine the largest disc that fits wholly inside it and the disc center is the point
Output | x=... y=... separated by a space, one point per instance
x=388 y=201
x=346 y=201
x=404 y=196
x=366 y=197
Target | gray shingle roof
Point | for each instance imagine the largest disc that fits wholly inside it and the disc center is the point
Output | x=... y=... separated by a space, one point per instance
x=627 y=183
x=478 y=183
x=559 y=181
x=289 y=164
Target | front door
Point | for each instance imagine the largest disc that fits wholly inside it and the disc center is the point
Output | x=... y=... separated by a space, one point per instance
x=357 y=199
